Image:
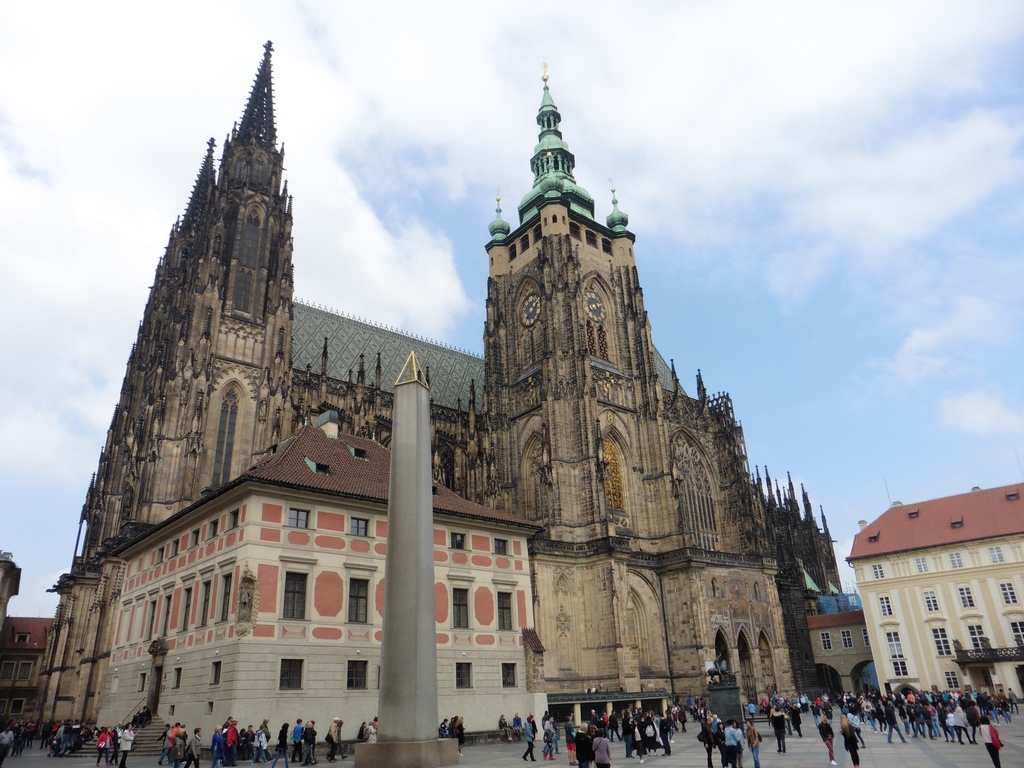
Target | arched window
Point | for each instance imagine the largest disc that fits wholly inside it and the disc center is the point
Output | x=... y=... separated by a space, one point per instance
x=259 y=170
x=591 y=344
x=693 y=481
x=225 y=438
x=248 y=259
x=613 y=495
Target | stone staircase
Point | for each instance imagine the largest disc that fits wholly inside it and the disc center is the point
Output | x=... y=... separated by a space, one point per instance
x=146 y=742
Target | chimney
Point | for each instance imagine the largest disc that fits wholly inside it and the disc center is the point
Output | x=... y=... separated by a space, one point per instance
x=975 y=489
x=863 y=524
x=897 y=504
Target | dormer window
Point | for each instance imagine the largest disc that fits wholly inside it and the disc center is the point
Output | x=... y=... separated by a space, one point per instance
x=317 y=467
x=914 y=515
x=358 y=453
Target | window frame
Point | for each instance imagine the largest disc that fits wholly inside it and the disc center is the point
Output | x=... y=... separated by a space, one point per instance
x=463 y=675
x=966 y=597
x=878 y=571
x=847 y=637
x=226 y=581
x=358 y=604
x=359 y=526
x=885 y=605
x=216 y=669
x=298 y=518
x=460 y=608
x=355 y=669
x=504 y=615
x=290 y=678
x=940 y=638
x=931 y=601
x=826 y=641
x=457 y=540
x=1008 y=592
x=956 y=560
x=975 y=632
x=293 y=602
x=922 y=564
x=501 y=546
x=508 y=675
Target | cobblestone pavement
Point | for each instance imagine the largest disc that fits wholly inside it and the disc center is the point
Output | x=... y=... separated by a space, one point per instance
x=687 y=752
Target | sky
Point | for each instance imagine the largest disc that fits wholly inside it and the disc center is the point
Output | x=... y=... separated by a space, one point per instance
x=827 y=199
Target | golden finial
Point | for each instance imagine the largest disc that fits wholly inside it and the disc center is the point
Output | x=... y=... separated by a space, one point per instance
x=497 y=195
x=612 y=183
x=544 y=77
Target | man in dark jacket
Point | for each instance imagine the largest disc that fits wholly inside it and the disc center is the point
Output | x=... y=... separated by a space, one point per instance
x=890 y=720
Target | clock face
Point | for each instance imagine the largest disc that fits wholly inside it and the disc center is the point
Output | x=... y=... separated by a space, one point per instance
x=531 y=309
x=595 y=307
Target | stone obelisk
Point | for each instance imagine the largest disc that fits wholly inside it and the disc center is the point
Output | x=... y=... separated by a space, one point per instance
x=407 y=707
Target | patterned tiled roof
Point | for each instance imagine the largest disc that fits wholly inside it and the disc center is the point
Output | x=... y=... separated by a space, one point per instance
x=532 y=640
x=966 y=517
x=18 y=625
x=354 y=466
x=451 y=370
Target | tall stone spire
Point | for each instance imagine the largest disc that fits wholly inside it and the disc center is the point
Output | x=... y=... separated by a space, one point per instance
x=258 y=119
x=552 y=166
x=201 y=191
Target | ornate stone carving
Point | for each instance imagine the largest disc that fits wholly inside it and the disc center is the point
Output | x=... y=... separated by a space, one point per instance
x=248 y=602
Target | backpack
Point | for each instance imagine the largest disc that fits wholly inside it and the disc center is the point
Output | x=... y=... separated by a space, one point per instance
x=649 y=731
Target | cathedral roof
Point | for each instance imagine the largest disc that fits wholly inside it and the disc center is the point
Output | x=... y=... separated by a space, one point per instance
x=451 y=370
x=355 y=467
x=980 y=514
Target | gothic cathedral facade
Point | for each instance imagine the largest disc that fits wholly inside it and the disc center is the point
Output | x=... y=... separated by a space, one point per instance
x=659 y=552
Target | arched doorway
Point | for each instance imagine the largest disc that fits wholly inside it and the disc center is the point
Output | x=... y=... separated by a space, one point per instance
x=864 y=677
x=746 y=676
x=764 y=651
x=829 y=678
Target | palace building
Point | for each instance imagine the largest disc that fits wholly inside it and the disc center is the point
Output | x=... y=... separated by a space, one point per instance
x=647 y=546
x=942 y=583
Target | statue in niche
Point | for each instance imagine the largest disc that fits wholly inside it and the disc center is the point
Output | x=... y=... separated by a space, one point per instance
x=248 y=602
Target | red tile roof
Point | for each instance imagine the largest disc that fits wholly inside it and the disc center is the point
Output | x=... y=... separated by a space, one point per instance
x=354 y=466
x=841 y=619
x=966 y=517
x=532 y=640
x=18 y=625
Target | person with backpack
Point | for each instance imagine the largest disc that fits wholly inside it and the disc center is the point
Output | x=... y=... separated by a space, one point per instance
x=530 y=734
x=549 y=739
x=707 y=739
x=585 y=746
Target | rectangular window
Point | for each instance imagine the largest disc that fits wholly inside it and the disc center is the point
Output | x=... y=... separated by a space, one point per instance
x=142 y=682
x=25 y=670
x=505 y=611
x=214 y=527
x=922 y=564
x=21 y=637
x=188 y=609
x=225 y=598
x=847 y=638
x=358 y=600
x=976 y=633
x=899 y=669
x=966 y=597
x=501 y=546
x=1009 y=593
x=867 y=637
x=463 y=675
x=1017 y=630
x=952 y=681
x=204 y=615
x=996 y=554
x=167 y=615
x=460 y=608
x=152 y=620
x=941 y=642
x=177 y=678
x=291 y=674
x=174 y=548
x=160 y=555
x=591 y=238
x=931 y=601
x=17 y=706
x=298 y=518
x=356 y=674
x=232 y=519
x=193 y=538
x=294 y=596
x=884 y=605
x=895 y=645
x=7 y=670
x=508 y=675
x=458 y=541
x=215 y=673
x=955 y=561
x=826 y=641
x=877 y=571
x=358 y=526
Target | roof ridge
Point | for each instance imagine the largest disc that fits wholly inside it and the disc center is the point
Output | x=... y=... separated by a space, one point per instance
x=390 y=329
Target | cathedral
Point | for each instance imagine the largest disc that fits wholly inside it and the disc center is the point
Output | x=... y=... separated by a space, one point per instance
x=656 y=549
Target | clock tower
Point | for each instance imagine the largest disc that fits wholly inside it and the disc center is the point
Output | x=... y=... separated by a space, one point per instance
x=572 y=375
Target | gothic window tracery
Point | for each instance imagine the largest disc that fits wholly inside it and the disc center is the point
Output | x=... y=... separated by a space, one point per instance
x=612 y=475
x=591 y=344
x=692 y=479
x=532 y=474
x=248 y=259
x=225 y=438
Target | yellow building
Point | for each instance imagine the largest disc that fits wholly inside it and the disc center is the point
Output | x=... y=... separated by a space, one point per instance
x=265 y=599
x=942 y=583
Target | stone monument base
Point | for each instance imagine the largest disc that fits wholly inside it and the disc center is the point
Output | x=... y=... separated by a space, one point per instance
x=407 y=754
x=725 y=702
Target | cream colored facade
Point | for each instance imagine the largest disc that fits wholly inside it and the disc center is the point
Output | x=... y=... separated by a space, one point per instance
x=970 y=592
x=229 y=647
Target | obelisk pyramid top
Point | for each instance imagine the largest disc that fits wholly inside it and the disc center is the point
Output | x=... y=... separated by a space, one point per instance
x=411 y=372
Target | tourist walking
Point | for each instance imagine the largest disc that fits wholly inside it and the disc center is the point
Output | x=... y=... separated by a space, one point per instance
x=754 y=742
x=194 y=749
x=125 y=743
x=529 y=733
x=828 y=736
x=990 y=738
x=850 y=744
x=282 y=745
x=778 y=720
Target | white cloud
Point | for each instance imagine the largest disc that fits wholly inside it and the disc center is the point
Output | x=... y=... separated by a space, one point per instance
x=982 y=413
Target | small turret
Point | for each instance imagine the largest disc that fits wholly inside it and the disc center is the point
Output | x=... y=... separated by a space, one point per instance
x=617 y=220
x=499 y=228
